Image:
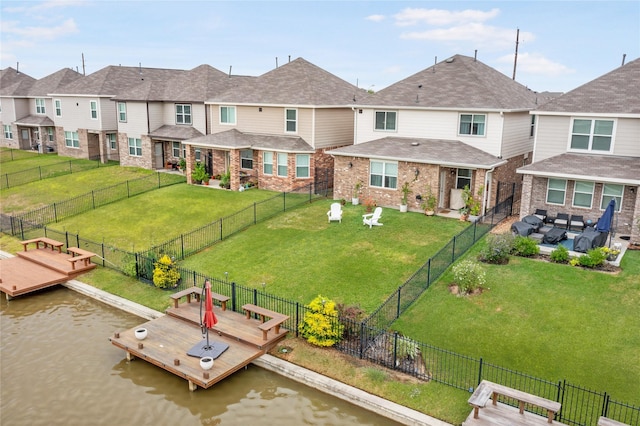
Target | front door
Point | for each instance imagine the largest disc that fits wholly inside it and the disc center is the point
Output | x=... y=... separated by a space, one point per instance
x=159 y=158
x=25 y=138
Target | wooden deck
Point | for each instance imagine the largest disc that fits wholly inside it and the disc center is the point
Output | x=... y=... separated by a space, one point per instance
x=506 y=415
x=36 y=269
x=171 y=336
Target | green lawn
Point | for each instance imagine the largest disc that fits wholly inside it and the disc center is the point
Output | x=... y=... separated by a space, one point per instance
x=547 y=320
x=299 y=255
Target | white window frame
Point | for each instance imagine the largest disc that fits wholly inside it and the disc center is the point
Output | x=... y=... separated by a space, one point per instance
x=93 y=107
x=388 y=180
x=385 y=123
x=282 y=164
x=58 y=107
x=564 y=191
x=462 y=179
x=181 y=114
x=474 y=126
x=50 y=134
x=227 y=115
x=41 y=108
x=533 y=125
x=71 y=139
x=591 y=135
x=198 y=154
x=135 y=147
x=303 y=171
x=608 y=195
x=267 y=160
x=175 y=149
x=584 y=191
x=112 y=139
x=246 y=159
x=122 y=112
x=8 y=131
x=290 y=121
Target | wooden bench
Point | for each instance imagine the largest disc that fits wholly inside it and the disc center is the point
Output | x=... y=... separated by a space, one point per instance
x=79 y=255
x=604 y=421
x=197 y=291
x=487 y=389
x=276 y=319
x=46 y=242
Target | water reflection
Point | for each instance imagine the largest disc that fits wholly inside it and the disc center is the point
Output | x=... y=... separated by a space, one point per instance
x=57 y=366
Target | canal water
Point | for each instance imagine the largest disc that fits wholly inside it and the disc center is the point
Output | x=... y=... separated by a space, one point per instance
x=57 y=367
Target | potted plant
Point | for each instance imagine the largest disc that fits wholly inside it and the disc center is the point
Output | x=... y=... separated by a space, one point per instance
x=356 y=193
x=182 y=164
x=405 y=195
x=225 y=180
x=429 y=203
x=199 y=173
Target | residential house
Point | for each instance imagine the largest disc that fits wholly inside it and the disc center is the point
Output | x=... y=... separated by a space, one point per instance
x=587 y=152
x=155 y=117
x=457 y=123
x=275 y=129
x=87 y=118
x=13 y=85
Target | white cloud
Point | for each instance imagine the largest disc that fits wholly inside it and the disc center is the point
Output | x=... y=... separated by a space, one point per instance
x=536 y=63
x=440 y=17
x=35 y=8
x=375 y=18
x=479 y=35
x=48 y=33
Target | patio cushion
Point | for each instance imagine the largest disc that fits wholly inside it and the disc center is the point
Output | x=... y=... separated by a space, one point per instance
x=554 y=236
x=523 y=229
x=534 y=221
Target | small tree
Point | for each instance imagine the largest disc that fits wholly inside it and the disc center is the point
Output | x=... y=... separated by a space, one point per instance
x=321 y=326
x=165 y=274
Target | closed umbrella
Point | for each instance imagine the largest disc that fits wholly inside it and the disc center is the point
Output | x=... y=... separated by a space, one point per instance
x=604 y=223
x=209 y=319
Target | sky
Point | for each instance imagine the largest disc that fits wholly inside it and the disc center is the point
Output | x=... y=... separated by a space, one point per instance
x=372 y=44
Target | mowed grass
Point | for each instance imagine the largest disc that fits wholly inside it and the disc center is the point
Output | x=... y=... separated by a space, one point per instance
x=299 y=255
x=25 y=160
x=547 y=320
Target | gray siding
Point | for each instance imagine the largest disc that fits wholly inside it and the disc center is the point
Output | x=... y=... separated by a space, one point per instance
x=515 y=135
x=333 y=127
x=551 y=137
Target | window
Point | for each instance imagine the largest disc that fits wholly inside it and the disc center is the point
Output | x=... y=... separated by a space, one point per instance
x=111 y=140
x=71 y=139
x=282 y=164
x=591 y=135
x=40 y=109
x=227 y=115
x=384 y=174
x=198 y=154
x=533 y=125
x=386 y=120
x=122 y=112
x=267 y=163
x=8 y=133
x=302 y=165
x=50 y=133
x=556 y=189
x=610 y=192
x=175 y=149
x=583 y=194
x=135 y=147
x=472 y=124
x=291 y=118
x=463 y=178
x=58 y=107
x=93 y=105
x=246 y=159
x=183 y=114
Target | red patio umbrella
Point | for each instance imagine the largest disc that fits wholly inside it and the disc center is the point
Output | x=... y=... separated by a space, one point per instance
x=209 y=319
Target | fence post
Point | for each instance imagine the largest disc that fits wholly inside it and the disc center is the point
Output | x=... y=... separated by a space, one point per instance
x=453 y=250
x=255 y=213
x=182 y=245
x=40 y=172
x=284 y=201
x=429 y=272
x=233 y=296
x=475 y=227
x=135 y=255
x=55 y=213
x=221 y=238
x=159 y=183
x=297 y=318
x=361 y=349
x=6 y=178
x=480 y=371
x=93 y=200
x=395 y=348
x=128 y=194
x=103 y=253
x=195 y=279
x=398 y=304
x=255 y=296
x=605 y=405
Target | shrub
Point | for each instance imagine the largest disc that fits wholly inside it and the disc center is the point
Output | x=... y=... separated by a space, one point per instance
x=351 y=316
x=594 y=258
x=497 y=249
x=165 y=274
x=560 y=255
x=406 y=348
x=129 y=266
x=320 y=325
x=526 y=247
x=469 y=276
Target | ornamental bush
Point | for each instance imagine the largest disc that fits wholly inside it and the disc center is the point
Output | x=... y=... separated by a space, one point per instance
x=594 y=258
x=497 y=249
x=560 y=255
x=469 y=276
x=525 y=247
x=321 y=326
x=165 y=274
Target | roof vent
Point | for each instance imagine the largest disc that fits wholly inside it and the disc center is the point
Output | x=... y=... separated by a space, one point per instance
x=451 y=59
x=415 y=143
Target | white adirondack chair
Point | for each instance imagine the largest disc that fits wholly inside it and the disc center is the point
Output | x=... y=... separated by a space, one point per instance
x=372 y=219
x=335 y=213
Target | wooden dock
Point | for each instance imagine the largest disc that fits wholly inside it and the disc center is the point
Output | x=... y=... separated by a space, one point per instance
x=38 y=268
x=171 y=336
x=506 y=415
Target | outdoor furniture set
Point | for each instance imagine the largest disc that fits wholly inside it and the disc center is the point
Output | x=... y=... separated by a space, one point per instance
x=370 y=219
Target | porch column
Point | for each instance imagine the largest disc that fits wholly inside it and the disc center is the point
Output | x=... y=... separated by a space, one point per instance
x=234 y=169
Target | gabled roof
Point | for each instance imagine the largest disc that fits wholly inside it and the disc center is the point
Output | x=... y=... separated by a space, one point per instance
x=53 y=82
x=172 y=132
x=601 y=168
x=113 y=79
x=449 y=153
x=459 y=82
x=617 y=92
x=235 y=139
x=14 y=83
x=35 y=120
x=296 y=83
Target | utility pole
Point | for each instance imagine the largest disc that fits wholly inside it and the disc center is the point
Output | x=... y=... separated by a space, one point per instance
x=515 y=58
x=83 y=69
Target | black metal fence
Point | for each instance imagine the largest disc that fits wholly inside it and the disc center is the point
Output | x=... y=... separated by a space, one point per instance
x=13 y=154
